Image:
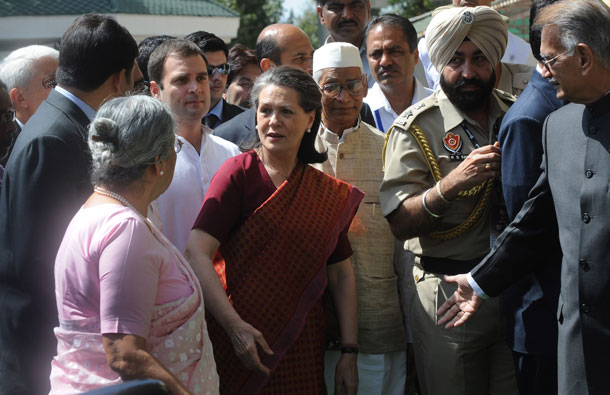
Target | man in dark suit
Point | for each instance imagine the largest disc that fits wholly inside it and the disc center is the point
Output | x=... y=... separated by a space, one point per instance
x=216 y=52
x=530 y=305
x=570 y=201
x=277 y=45
x=45 y=182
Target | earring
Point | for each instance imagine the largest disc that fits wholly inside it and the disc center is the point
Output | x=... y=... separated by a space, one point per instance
x=161 y=172
x=308 y=130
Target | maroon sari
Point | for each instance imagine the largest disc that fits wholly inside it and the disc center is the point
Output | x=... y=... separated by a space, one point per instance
x=274 y=269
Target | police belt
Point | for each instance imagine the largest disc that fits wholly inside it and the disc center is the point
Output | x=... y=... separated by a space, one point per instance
x=447 y=266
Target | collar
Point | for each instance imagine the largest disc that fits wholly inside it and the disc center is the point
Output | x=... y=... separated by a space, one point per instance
x=452 y=116
x=21 y=124
x=332 y=137
x=217 y=110
x=89 y=112
x=376 y=98
x=205 y=131
x=600 y=107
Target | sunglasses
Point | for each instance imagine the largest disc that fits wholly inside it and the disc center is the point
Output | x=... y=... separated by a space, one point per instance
x=353 y=87
x=222 y=69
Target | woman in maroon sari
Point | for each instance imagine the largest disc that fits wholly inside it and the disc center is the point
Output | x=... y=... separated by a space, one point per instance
x=273 y=232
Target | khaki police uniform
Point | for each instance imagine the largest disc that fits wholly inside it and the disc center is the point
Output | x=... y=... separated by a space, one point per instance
x=515 y=77
x=473 y=358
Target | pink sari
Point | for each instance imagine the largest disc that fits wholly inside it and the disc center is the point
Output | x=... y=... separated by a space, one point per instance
x=178 y=338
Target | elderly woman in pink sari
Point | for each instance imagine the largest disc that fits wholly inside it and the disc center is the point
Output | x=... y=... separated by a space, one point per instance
x=129 y=305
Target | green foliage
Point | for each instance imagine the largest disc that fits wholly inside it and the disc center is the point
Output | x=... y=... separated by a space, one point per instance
x=254 y=16
x=411 y=8
x=308 y=21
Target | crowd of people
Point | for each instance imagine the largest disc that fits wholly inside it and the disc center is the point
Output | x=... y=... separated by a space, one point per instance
x=379 y=215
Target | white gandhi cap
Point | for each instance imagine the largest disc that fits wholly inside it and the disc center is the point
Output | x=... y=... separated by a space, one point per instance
x=337 y=54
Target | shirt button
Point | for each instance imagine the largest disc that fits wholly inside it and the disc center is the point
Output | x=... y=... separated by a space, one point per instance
x=592 y=129
x=584 y=265
x=586 y=218
x=341 y=155
x=588 y=173
x=585 y=308
x=525 y=82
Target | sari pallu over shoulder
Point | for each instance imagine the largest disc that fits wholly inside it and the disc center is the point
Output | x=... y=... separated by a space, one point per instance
x=274 y=268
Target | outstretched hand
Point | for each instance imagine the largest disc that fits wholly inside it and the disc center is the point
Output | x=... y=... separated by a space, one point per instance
x=245 y=339
x=461 y=305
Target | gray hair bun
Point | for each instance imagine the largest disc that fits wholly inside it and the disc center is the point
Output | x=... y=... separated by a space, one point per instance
x=105 y=131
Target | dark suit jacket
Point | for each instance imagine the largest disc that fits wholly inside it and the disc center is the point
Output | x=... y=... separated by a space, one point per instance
x=530 y=305
x=571 y=201
x=5 y=150
x=45 y=182
x=240 y=129
x=230 y=111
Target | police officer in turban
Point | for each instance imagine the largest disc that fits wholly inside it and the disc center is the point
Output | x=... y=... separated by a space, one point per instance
x=439 y=193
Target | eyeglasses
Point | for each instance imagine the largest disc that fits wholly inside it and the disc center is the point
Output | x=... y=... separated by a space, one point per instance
x=548 y=63
x=178 y=145
x=223 y=69
x=354 y=88
x=49 y=82
x=337 y=8
x=7 y=116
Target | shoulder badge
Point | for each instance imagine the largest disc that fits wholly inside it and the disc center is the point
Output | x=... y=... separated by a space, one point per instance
x=405 y=119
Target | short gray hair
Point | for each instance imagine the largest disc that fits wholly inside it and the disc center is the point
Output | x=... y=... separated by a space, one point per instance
x=127 y=135
x=17 y=69
x=580 y=21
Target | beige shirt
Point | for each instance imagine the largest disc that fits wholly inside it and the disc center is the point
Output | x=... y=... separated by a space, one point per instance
x=356 y=159
x=407 y=173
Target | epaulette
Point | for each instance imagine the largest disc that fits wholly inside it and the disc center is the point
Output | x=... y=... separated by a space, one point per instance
x=404 y=120
x=508 y=98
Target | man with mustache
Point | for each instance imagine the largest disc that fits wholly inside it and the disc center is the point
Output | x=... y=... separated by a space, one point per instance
x=179 y=78
x=391 y=43
x=517 y=62
x=346 y=21
x=441 y=165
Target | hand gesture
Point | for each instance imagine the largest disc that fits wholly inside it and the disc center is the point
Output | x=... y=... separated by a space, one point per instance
x=245 y=338
x=481 y=164
x=461 y=305
x=346 y=375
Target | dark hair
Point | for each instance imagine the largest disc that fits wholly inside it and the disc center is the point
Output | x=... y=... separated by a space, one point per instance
x=146 y=48
x=536 y=33
x=268 y=48
x=92 y=49
x=310 y=99
x=3 y=86
x=177 y=47
x=392 y=20
x=208 y=42
x=239 y=57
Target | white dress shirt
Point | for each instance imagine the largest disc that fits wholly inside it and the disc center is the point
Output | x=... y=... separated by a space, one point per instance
x=382 y=110
x=179 y=205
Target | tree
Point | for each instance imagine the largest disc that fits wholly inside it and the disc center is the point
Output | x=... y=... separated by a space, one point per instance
x=255 y=15
x=308 y=21
x=411 y=8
